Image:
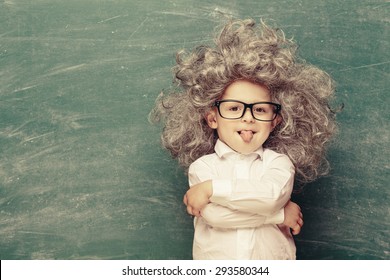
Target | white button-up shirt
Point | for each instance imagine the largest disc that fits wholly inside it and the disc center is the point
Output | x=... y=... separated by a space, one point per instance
x=244 y=218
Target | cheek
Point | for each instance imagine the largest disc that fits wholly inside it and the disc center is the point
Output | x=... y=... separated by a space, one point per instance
x=225 y=131
x=266 y=127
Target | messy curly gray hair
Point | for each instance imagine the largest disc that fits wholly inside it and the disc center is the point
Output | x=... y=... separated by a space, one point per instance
x=262 y=55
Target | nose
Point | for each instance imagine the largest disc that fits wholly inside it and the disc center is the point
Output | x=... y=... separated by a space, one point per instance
x=248 y=117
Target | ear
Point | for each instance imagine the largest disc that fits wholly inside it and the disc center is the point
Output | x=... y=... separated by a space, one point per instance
x=211 y=118
x=276 y=121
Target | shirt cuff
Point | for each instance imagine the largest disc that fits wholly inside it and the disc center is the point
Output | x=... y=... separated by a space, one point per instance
x=275 y=219
x=222 y=189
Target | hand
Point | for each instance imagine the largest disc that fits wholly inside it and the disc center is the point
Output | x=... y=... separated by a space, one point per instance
x=197 y=197
x=293 y=217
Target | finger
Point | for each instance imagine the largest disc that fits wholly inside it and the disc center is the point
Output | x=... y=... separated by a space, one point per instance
x=196 y=213
x=296 y=230
x=189 y=210
x=185 y=200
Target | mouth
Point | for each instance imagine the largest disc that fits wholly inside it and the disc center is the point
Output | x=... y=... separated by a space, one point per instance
x=246 y=135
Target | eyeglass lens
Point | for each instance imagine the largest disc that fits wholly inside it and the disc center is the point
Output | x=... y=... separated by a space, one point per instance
x=236 y=110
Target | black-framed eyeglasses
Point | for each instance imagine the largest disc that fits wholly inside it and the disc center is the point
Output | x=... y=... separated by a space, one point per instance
x=234 y=109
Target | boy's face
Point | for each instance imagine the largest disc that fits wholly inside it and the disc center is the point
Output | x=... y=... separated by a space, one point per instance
x=247 y=134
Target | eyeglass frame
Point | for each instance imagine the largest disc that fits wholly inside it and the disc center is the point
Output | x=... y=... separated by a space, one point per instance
x=250 y=106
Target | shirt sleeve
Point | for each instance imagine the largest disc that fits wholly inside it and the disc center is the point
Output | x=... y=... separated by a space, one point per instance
x=222 y=217
x=265 y=195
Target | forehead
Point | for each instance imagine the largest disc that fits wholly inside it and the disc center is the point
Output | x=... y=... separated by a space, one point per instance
x=247 y=91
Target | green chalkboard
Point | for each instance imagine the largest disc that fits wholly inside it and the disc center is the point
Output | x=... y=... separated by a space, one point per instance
x=82 y=172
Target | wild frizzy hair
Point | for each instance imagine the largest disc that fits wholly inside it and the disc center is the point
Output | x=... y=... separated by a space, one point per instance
x=245 y=50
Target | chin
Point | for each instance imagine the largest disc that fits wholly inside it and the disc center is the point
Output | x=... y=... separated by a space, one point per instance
x=246 y=150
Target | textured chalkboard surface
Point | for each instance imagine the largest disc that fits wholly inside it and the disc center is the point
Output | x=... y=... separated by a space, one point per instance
x=82 y=173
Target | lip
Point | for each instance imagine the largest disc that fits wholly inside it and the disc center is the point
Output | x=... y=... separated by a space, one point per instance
x=249 y=130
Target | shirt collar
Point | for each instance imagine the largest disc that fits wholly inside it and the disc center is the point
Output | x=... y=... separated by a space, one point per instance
x=222 y=150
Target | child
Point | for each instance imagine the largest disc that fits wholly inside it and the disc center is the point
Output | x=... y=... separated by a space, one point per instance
x=251 y=116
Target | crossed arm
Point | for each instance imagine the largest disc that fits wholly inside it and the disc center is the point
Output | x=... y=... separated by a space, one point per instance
x=241 y=203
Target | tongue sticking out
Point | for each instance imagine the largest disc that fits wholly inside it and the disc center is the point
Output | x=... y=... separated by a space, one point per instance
x=246 y=135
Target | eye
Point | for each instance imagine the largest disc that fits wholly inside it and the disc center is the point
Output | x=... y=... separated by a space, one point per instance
x=260 y=109
x=234 y=108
